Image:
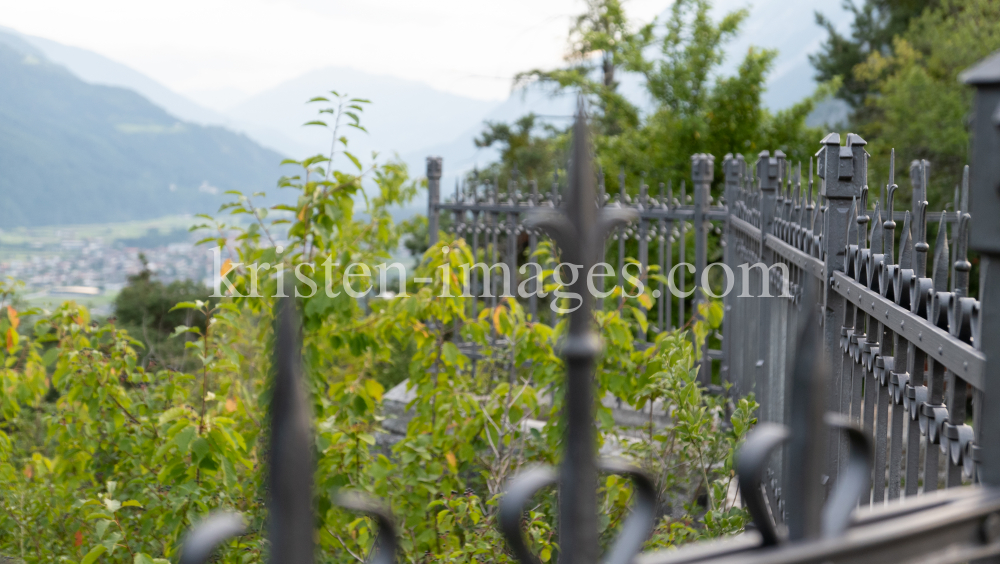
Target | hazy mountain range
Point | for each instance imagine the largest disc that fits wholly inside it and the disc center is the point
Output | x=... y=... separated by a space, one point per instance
x=73 y=152
x=406 y=118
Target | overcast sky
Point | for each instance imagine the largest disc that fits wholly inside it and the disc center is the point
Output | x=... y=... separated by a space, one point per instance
x=204 y=47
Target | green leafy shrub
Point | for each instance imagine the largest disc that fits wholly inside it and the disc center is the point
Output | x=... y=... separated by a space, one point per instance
x=126 y=457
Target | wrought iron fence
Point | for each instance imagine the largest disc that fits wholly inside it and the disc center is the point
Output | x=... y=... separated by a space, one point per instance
x=865 y=367
x=495 y=223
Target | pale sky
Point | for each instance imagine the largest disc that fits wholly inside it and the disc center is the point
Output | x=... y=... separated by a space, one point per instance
x=194 y=47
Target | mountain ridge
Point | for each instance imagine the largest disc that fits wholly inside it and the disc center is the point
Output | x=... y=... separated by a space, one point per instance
x=73 y=152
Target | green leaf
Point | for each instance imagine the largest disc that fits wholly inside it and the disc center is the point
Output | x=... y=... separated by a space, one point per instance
x=183 y=439
x=101 y=527
x=131 y=503
x=450 y=352
x=199 y=447
x=354 y=160
x=112 y=504
x=315 y=122
x=93 y=555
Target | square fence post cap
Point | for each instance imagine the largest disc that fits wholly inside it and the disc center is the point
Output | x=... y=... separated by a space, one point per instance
x=842 y=167
x=770 y=169
x=732 y=166
x=434 y=167
x=702 y=168
x=985 y=72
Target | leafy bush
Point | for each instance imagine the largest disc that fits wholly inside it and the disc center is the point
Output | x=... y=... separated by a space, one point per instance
x=118 y=464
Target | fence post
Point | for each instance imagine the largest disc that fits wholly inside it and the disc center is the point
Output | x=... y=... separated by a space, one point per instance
x=433 y=198
x=769 y=383
x=769 y=172
x=734 y=169
x=844 y=171
x=702 y=173
x=984 y=236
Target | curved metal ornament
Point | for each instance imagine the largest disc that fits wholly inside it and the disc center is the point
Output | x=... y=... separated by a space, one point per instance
x=635 y=530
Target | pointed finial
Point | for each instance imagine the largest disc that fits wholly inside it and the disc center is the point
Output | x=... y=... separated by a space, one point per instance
x=920 y=245
x=892 y=166
x=875 y=235
x=962 y=264
x=964 y=199
x=906 y=244
x=809 y=200
x=852 y=222
x=940 y=270
x=862 y=218
x=889 y=226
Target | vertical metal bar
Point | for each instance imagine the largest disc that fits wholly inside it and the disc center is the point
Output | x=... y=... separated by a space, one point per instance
x=554 y=196
x=643 y=235
x=769 y=172
x=494 y=224
x=601 y=203
x=622 y=200
x=290 y=459
x=843 y=173
x=578 y=511
x=732 y=169
x=702 y=173
x=935 y=387
x=433 y=198
x=984 y=237
x=681 y=317
x=668 y=265
x=579 y=232
x=532 y=247
x=661 y=247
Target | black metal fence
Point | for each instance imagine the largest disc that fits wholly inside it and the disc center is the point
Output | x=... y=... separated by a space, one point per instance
x=865 y=367
x=494 y=222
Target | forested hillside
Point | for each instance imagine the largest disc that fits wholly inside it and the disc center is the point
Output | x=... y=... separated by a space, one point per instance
x=73 y=152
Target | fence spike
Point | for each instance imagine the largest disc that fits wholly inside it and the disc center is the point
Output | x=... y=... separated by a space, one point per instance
x=920 y=245
x=889 y=226
x=852 y=222
x=863 y=219
x=964 y=199
x=876 y=231
x=917 y=195
x=906 y=244
x=807 y=447
x=962 y=264
x=892 y=166
x=940 y=270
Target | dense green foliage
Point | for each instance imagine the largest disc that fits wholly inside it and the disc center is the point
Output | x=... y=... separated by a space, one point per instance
x=125 y=457
x=73 y=152
x=876 y=25
x=900 y=69
x=145 y=308
x=694 y=109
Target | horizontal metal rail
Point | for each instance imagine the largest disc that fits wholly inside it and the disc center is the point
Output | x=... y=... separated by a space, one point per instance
x=955 y=355
x=656 y=212
x=745 y=227
x=800 y=259
x=956 y=525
